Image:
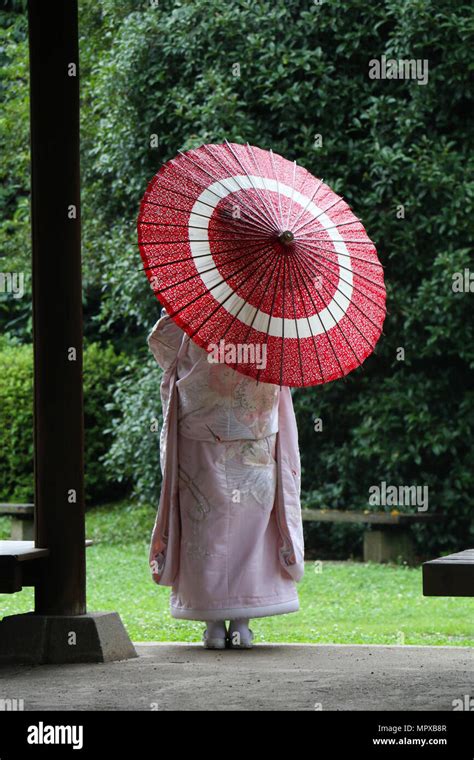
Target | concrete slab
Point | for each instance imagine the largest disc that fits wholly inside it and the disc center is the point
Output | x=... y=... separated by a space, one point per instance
x=38 y=639
x=269 y=677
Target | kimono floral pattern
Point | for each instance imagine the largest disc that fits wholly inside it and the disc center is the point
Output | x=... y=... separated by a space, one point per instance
x=229 y=543
x=247 y=469
x=227 y=537
x=245 y=474
x=217 y=403
x=198 y=508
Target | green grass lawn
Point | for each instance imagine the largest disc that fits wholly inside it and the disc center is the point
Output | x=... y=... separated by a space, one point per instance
x=341 y=602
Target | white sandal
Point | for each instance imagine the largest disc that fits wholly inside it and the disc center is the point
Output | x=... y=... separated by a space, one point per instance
x=242 y=642
x=218 y=642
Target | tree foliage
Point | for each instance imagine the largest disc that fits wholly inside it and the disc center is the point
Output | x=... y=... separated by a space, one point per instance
x=277 y=74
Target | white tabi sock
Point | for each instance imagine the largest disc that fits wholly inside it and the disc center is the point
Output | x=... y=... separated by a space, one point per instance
x=215 y=629
x=239 y=630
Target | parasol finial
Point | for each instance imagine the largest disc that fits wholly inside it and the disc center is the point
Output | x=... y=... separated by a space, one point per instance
x=286 y=237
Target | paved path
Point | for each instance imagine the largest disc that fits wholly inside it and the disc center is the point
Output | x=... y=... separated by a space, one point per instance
x=269 y=677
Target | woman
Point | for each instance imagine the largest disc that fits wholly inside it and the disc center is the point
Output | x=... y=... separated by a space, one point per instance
x=228 y=535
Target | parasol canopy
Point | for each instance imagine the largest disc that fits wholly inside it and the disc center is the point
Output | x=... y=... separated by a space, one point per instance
x=262 y=264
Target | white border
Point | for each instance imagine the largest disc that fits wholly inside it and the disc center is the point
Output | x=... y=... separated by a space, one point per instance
x=199 y=228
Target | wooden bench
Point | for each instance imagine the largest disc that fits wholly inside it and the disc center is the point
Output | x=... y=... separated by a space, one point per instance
x=22 y=523
x=452 y=575
x=20 y=564
x=389 y=542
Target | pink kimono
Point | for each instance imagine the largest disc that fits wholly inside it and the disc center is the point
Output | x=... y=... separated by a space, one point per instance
x=228 y=536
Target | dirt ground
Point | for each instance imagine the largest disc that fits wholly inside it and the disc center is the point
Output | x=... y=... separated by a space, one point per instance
x=268 y=677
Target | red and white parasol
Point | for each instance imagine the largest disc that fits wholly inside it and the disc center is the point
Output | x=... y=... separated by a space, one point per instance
x=262 y=264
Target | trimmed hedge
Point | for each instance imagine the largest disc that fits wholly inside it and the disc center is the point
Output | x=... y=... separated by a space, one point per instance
x=16 y=424
x=102 y=369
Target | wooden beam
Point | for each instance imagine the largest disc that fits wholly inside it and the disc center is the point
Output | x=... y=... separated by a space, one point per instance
x=57 y=305
x=452 y=575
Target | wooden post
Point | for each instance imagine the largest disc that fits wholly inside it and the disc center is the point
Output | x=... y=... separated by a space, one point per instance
x=57 y=305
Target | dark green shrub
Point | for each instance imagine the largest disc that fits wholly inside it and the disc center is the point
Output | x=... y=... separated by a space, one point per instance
x=135 y=422
x=102 y=369
x=16 y=423
x=167 y=69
